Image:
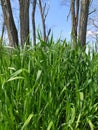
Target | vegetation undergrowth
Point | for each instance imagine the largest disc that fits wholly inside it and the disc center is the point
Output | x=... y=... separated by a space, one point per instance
x=49 y=87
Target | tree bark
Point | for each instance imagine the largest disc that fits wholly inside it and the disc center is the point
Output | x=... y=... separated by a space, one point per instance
x=3 y=29
x=9 y=22
x=33 y=22
x=74 y=17
x=43 y=17
x=77 y=14
x=24 y=21
x=83 y=21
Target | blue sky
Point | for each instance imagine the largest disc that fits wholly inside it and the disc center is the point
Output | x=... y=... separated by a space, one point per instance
x=56 y=19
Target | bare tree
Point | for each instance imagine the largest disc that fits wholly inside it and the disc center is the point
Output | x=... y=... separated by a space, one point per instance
x=74 y=6
x=74 y=16
x=79 y=17
x=84 y=12
x=9 y=22
x=33 y=21
x=44 y=13
x=93 y=27
x=93 y=20
x=24 y=21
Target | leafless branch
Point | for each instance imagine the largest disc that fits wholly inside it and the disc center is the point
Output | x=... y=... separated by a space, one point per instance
x=92 y=12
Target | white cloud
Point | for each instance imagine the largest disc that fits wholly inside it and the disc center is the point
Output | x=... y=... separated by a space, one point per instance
x=91 y=33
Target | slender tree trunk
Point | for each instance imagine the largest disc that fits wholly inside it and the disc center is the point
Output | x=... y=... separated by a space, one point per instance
x=9 y=22
x=74 y=17
x=77 y=14
x=43 y=19
x=3 y=29
x=33 y=21
x=83 y=21
x=24 y=21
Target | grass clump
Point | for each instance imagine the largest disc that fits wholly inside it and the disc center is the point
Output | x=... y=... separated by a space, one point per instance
x=49 y=87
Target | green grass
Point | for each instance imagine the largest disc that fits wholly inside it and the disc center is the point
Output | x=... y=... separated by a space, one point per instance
x=49 y=87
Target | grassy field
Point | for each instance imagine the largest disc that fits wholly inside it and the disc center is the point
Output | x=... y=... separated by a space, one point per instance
x=50 y=87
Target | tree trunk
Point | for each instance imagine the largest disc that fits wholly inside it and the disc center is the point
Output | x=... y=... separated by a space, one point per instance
x=9 y=22
x=43 y=19
x=3 y=29
x=33 y=21
x=77 y=14
x=24 y=21
x=83 y=21
x=74 y=17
